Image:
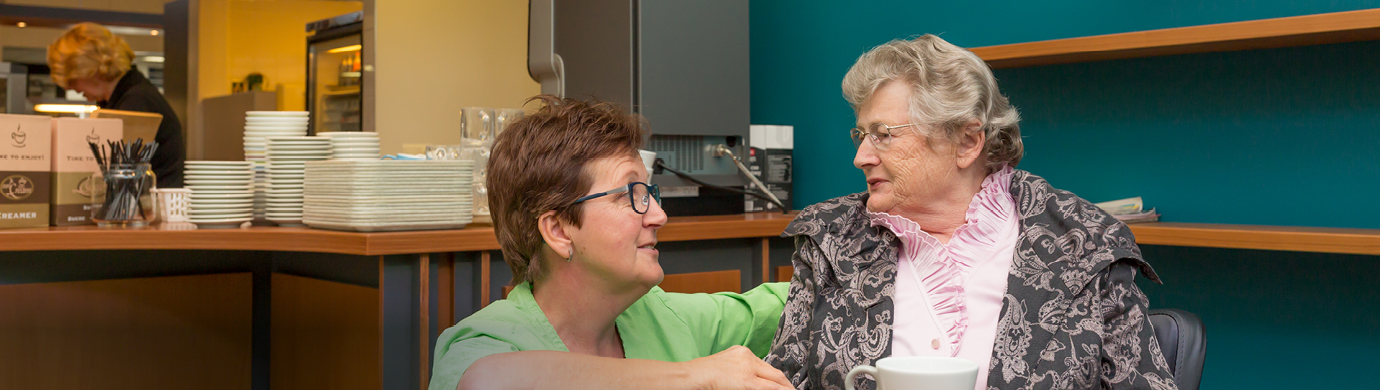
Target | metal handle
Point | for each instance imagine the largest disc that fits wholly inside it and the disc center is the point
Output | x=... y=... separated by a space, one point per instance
x=543 y=64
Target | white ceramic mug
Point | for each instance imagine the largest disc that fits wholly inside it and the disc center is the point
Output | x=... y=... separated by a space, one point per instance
x=918 y=373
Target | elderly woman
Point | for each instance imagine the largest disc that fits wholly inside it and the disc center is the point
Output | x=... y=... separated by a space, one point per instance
x=953 y=252
x=577 y=222
x=91 y=60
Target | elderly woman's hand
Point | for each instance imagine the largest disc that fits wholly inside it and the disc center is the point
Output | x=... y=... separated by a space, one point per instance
x=736 y=368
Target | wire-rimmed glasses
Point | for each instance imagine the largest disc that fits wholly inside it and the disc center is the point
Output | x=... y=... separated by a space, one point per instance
x=879 y=134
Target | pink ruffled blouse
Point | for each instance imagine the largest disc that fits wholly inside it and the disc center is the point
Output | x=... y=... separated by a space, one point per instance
x=948 y=297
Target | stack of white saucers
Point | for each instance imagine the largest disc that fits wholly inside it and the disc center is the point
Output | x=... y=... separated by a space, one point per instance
x=287 y=157
x=353 y=145
x=222 y=193
x=259 y=125
x=388 y=195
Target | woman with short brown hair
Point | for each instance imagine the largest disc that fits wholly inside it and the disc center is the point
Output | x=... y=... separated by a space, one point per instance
x=577 y=221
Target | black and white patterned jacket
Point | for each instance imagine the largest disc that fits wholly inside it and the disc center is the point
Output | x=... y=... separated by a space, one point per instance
x=1071 y=318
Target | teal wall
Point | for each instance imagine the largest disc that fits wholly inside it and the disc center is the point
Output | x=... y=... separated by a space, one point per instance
x=1275 y=137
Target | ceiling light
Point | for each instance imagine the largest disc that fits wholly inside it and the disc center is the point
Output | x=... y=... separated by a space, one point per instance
x=22 y=24
x=153 y=59
x=153 y=32
x=345 y=49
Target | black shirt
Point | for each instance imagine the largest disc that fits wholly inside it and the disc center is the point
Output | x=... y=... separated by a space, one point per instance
x=134 y=92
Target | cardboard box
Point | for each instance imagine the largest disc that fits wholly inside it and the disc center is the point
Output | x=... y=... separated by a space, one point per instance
x=25 y=161
x=74 y=188
x=137 y=125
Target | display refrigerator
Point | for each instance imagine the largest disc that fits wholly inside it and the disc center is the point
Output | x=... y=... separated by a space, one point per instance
x=334 y=60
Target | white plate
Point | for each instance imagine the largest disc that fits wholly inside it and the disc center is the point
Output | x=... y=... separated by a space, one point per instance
x=206 y=182
x=294 y=147
x=286 y=131
x=196 y=195
x=276 y=151
x=219 y=217
x=264 y=119
x=276 y=113
x=218 y=175
x=297 y=140
x=242 y=187
x=295 y=130
x=207 y=207
x=218 y=214
x=339 y=150
x=219 y=165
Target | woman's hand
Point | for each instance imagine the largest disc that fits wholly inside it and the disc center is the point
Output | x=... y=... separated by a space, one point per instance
x=736 y=368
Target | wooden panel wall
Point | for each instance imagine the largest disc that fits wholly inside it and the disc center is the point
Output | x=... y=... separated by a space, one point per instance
x=178 y=332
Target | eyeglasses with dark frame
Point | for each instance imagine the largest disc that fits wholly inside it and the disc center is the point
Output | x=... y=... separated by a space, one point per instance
x=878 y=133
x=642 y=195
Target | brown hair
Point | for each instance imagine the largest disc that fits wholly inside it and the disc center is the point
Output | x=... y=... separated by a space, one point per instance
x=538 y=164
x=88 y=50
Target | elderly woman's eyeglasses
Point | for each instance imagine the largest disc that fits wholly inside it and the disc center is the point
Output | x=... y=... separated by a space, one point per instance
x=640 y=195
x=878 y=133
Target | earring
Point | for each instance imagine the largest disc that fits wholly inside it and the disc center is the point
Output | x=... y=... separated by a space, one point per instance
x=571 y=255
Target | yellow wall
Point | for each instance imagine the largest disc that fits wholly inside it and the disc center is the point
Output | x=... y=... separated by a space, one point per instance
x=241 y=37
x=435 y=56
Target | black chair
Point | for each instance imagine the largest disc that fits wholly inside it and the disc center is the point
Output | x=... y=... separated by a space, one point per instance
x=1183 y=340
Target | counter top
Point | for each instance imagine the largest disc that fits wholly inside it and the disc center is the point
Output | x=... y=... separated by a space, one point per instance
x=186 y=237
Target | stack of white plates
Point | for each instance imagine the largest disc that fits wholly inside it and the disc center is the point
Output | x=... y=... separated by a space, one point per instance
x=388 y=195
x=287 y=157
x=222 y=193
x=353 y=145
x=259 y=125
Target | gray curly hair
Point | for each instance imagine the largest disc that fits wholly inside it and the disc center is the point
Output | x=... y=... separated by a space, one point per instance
x=950 y=86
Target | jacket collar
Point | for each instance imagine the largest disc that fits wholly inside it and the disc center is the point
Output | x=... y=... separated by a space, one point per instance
x=126 y=83
x=1043 y=210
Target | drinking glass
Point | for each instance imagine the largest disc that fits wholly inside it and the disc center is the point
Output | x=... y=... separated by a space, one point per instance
x=127 y=201
x=477 y=123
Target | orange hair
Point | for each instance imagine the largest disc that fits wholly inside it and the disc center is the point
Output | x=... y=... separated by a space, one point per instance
x=88 y=50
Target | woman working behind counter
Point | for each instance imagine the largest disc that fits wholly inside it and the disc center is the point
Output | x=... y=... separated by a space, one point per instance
x=91 y=60
x=577 y=222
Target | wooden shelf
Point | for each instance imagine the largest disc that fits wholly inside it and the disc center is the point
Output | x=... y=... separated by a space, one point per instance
x=1305 y=30
x=184 y=236
x=1281 y=238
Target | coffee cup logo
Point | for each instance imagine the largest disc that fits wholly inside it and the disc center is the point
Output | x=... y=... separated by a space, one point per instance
x=16 y=187
x=93 y=138
x=89 y=187
x=18 y=136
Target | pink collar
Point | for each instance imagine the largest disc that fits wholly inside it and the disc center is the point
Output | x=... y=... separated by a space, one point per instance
x=944 y=269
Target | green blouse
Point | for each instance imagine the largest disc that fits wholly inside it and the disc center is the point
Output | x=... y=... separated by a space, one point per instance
x=660 y=326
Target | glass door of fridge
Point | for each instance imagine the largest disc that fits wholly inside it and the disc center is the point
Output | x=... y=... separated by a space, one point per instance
x=335 y=67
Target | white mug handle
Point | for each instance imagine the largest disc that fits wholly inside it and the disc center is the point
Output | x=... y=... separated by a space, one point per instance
x=853 y=375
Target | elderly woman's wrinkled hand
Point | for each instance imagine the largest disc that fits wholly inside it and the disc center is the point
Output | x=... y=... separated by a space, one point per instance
x=736 y=368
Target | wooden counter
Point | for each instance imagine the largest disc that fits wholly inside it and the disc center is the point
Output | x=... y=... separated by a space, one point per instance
x=184 y=236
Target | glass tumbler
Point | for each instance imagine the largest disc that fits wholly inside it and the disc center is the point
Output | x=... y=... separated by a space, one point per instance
x=477 y=123
x=127 y=201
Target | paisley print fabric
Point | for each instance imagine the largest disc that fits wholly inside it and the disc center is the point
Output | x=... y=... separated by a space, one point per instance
x=1072 y=317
